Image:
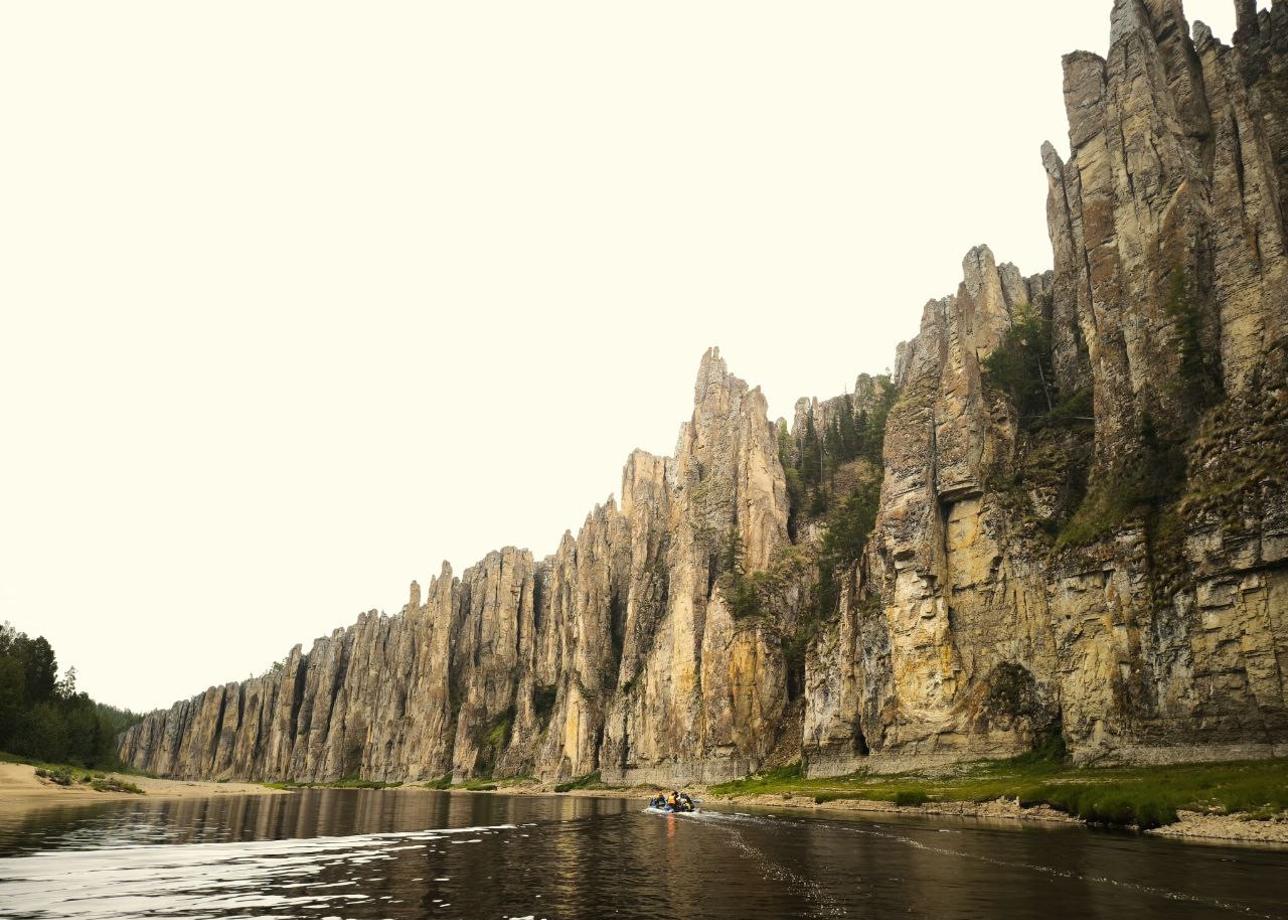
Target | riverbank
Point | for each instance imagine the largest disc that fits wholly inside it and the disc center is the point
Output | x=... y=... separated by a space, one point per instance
x=1202 y=827
x=1211 y=828
x=22 y=789
x=1240 y=800
x=1243 y=801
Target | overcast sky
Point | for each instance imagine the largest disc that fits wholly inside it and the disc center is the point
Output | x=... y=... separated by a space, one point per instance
x=301 y=298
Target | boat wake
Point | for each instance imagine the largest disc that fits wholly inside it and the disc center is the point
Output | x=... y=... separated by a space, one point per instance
x=205 y=879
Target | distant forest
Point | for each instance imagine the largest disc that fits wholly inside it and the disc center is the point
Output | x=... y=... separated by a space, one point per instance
x=44 y=718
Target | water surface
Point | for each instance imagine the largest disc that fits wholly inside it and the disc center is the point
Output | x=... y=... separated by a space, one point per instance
x=403 y=854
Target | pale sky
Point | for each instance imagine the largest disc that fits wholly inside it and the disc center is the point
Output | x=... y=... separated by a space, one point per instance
x=301 y=298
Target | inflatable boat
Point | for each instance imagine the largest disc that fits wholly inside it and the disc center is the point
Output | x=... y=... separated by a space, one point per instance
x=654 y=810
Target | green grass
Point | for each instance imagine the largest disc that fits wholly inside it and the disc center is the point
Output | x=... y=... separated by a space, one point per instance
x=477 y=784
x=589 y=781
x=790 y=778
x=353 y=782
x=1126 y=796
x=504 y=782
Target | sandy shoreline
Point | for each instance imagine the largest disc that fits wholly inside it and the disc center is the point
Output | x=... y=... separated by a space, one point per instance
x=21 y=789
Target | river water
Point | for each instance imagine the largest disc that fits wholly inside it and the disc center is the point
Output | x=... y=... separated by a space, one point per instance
x=403 y=854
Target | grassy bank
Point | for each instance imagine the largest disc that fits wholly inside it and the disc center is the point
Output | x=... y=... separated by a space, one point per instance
x=589 y=781
x=1145 y=797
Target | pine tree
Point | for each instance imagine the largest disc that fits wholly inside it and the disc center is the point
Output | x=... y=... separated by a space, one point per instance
x=811 y=460
x=849 y=431
x=784 y=445
x=734 y=560
x=833 y=448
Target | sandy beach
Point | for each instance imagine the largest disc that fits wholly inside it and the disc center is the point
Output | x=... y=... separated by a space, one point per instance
x=21 y=789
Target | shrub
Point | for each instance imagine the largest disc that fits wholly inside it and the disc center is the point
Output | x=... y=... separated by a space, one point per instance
x=115 y=784
x=908 y=797
x=1116 y=806
x=60 y=776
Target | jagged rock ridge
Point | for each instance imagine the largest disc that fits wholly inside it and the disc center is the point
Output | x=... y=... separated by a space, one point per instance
x=1121 y=583
x=1114 y=573
x=616 y=654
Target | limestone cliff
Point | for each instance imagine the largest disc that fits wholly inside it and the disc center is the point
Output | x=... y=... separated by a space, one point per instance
x=1113 y=570
x=1065 y=516
x=616 y=654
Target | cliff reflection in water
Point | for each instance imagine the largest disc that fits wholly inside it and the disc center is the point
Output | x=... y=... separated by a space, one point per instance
x=404 y=854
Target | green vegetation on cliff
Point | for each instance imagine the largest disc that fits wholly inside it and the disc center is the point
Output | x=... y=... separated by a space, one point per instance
x=1022 y=366
x=815 y=462
x=834 y=474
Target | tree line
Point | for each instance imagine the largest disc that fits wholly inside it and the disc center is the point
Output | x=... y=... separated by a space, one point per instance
x=45 y=718
x=812 y=459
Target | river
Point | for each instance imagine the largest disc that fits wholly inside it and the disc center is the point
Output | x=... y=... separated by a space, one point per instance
x=403 y=854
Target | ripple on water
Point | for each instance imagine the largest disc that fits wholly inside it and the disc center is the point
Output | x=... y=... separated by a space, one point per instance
x=207 y=879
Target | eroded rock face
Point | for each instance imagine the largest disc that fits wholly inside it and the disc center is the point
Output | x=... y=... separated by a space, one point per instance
x=928 y=618
x=615 y=654
x=1115 y=574
x=979 y=624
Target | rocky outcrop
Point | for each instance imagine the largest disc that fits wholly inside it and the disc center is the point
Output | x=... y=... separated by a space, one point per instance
x=1108 y=570
x=616 y=654
x=1120 y=581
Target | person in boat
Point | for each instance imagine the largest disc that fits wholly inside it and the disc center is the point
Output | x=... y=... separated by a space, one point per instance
x=658 y=801
x=686 y=803
x=673 y=802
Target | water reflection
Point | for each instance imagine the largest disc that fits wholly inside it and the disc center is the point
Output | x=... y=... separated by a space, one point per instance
x=397 y=854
